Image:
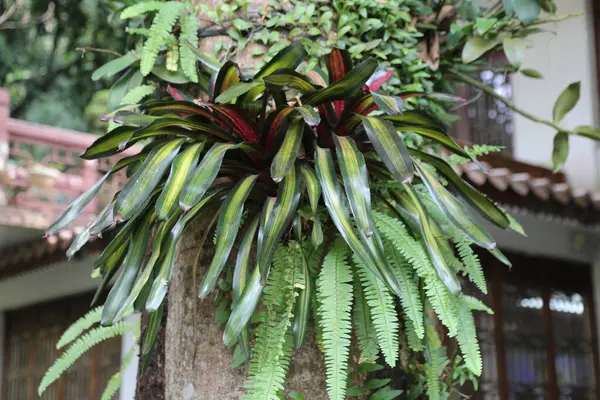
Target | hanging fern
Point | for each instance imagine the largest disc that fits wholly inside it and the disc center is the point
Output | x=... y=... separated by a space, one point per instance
x=414 y=342
x=383 y=313
x=141 y=8
x=188 y=37
x=273 y=347
x=334 y=288
x=363 y=325
x=409 y=297
x=467 y=337
x=137 y=94
x=442 y=302
x=160 y=33
x=471 y=264
x=476 y=304
x=74 y=331
x=114 y=383
x=76 y=350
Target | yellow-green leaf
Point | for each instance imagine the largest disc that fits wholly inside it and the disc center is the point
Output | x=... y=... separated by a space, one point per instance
x=288 y=151
x=566 y=101
x=561 y=150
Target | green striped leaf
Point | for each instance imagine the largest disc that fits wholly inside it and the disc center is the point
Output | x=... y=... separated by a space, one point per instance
x=135 y=255
x=180 y=174
x=390 y=147
x=391 y=105
x=204 y=175
x=242 y=311
x=76 y=207
x=310 y=116
x=288 y=151
x=345 y=87
x=439 y=136
x=139 y=187
x=114 y=66
x=356 y=181
x=369 y=250
x=475 y=198
x=109 y=144
x=303 y=304
x=412 y=203
x=227 y=76
x=236 y=90
x=243 y=260
x=288 y=78
x=288 y=58
x=312 y=185
x=414 y=118
x=178 y=127
x=150 y=335
x=230 y=217
x=454 y=210
x=288 y=197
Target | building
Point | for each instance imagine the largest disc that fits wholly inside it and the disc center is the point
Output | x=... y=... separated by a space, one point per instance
x=541 y=343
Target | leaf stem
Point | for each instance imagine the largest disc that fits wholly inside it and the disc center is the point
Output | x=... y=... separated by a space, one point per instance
x=509 y=103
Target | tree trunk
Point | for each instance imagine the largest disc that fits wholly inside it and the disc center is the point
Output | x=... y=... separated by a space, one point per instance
x=196 y=363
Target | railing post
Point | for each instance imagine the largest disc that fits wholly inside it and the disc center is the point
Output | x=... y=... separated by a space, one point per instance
x=4 y=114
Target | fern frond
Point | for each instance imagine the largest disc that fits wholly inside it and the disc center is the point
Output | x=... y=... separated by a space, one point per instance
x=467 y=337
x=137 y=94
x=414 y=342
x=334 y=288
x=396 y=233
x=476 y=305
x=273 y=346
x=172 y=55
x=161 y=33
x=409 y=298
x=383 y=312
x=114 y=383
x=189 y=33
x=92 y=317
x=475 y=151
x=471 y=263
x=436 y=362
x=442 y=302
x=138 y=31
x=81 y=345
x=513 y=223
x=363 y=325
x=141 y=8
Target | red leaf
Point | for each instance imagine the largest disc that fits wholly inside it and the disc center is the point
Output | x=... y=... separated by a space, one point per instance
x=273 y=123
x=238 y=121
x=378 y=79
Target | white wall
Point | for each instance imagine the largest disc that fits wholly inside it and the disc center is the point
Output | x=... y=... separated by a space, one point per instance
x=562 y=58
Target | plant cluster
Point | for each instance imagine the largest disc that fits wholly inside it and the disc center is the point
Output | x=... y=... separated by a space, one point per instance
x=337 y=220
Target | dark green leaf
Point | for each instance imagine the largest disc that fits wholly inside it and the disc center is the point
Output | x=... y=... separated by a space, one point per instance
x=236 y=90
x=390 y=147
x=303 y=305
x=203 y=175
x=310 y=116
x=129 y=80
x=242 y=311
x=390 y=105
x=288 y=151
x=290 y=57
x=154 y=323
x=344 y=88
x=385 y=394
x=373 y=384
x=180 y=127
x=228 y=75
x=139 y=187
x=312 y=185
x=566 y=101
x=243 y=260
x=288 y=196
x=476 y=47
x=76 y=207
x=561 y=150
x=230 y=217
x=454 y=210
x=109 y=144
x=176 y=77
x=288 y=78
x=135 y=255
x=475 y=198
x=356 y=182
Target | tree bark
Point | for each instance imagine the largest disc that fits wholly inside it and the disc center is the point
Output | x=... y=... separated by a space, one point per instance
x=197 y=366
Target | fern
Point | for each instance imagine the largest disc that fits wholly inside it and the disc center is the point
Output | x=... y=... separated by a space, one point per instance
x=334 y=289
x=436 y=362
x=414 y=342
x=471 y=263
x=172 y=55
x=114 y=383
x=138 y=31
x=76 y=350
x=467 y=337
x=475 y=151
x=363 y=325
x=137 y=94
x=141 y=8
x=160 y=33
x=78 y=327
x=409 y=298
x=476 y=304
x=273 y=347
x=187 y=37
x=383 y=312
x=442 y=302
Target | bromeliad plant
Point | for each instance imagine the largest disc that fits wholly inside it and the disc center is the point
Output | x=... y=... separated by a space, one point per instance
x=333 y=215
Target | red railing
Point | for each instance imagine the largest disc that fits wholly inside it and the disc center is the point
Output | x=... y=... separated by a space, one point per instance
x=41 y=171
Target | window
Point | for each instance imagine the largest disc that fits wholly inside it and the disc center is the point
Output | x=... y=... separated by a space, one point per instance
x=30 y=348
x=540 y=343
